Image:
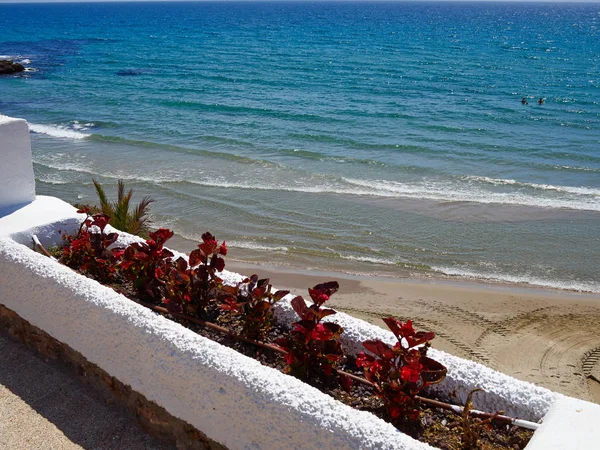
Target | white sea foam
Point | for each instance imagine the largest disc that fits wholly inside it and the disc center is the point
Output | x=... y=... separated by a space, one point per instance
x=76 y=125
x=583 y=169
x=545 y=187
x=254 y=246
x=52 y=179
x=534 y=281
x=369 y=259
x=428 y=190
x=57 y=131
x=438 y=191
x=62 y=162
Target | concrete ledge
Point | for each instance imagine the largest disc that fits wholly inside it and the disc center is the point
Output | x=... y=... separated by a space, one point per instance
x=570 y=424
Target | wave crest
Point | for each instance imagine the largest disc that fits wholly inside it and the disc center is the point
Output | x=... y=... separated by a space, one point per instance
x=57 y=131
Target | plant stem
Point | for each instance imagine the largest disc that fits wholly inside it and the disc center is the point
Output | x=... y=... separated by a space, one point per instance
x=215 y=327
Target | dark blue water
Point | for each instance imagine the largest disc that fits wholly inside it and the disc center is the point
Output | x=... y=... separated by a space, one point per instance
x=373 y=137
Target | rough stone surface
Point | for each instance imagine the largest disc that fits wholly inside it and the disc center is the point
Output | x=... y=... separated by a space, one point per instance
x=8 y=67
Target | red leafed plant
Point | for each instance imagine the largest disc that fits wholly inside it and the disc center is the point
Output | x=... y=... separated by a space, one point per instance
x=252 y=300
x=189 y=286
x=313 y=347
x=208 y=259
x=400 y=372
x=88 y=250
x=144 y=262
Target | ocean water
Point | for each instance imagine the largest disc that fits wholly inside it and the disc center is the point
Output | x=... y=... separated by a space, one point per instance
x=380 y=138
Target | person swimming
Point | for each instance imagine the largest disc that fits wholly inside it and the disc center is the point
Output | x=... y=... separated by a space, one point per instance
x=541 y=101
x=524 y=101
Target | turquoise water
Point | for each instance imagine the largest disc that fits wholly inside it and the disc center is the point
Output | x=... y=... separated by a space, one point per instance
x=385 y=138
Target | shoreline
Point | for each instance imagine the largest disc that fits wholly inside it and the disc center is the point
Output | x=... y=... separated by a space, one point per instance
x=243 y=257
x=548 y=337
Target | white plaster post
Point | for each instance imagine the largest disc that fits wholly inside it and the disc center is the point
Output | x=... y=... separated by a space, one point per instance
x=17 y=181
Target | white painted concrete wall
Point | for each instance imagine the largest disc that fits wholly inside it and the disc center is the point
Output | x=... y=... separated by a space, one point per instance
x=17 y=182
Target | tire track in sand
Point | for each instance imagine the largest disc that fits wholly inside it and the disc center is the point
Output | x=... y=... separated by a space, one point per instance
x=553 y=346
x=475 y=353
x=589 y=361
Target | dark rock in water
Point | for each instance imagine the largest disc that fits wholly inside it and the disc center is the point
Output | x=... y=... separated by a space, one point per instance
x=8 y=67
x=129 y=72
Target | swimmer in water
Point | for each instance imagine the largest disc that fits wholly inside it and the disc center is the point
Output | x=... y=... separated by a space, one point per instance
x=524 y=101
x=541 y=101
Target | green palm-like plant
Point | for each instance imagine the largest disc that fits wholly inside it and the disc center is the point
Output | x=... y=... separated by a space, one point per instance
x=136 y=222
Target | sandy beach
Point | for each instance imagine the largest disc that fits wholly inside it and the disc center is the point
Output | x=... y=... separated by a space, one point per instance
x=547 y=337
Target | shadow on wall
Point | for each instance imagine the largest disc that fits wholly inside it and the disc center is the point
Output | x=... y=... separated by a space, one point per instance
x=8 y=210
x=78 y=415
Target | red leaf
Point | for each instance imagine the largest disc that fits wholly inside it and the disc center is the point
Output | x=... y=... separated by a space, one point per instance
x=379 y=348
x=208 y=238
x=219 y=264
x=165 y=253
x=301 y=327
x=195 y=258
x=346 y=382
x=261 y=307
x=161 y=236
x=329 y=287
x=159 y=273
x=100 y=220
x=181 y=264
x=364 y=360
x=421 y=338
x=319 y=297
x=407 y=329
x=299 y=306
x=259 y=292
x=206 y=249
x=232 y=290
x=289 y=358
x=229 y=304
x=394 y=325
x=411 y=374
x=279 y=295
x=321 y=333
x=325 y=313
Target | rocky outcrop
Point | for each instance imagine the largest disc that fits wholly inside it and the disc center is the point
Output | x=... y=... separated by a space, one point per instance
x=7 y=67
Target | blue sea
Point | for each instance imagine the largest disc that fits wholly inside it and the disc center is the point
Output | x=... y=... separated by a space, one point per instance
x=374 y=138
